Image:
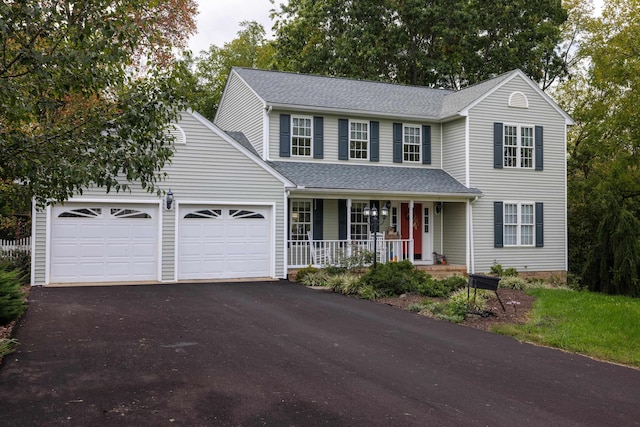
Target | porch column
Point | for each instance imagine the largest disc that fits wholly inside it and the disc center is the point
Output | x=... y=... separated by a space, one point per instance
x=411 y=243
x=349 y=227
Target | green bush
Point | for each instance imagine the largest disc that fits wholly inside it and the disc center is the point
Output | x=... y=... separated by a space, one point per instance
x=303 y=272
x=358 y=259
x=394 y=278
x=452 y=311
x=497 y=270
x=21 y=261
x=441 y=288
x=513 y=282
x=346 y=284
x=12 y=303
x=368 y=292
x=315 y=278
x=462 y=297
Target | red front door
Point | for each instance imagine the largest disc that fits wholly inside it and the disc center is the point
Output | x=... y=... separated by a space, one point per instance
x=417 y=227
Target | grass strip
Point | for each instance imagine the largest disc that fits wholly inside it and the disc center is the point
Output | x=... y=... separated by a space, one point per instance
x=602 y=326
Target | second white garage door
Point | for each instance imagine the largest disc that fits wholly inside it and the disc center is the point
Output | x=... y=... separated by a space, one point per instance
x=223 y=242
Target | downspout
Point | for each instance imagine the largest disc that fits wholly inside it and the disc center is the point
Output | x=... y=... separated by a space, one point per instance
x=265 y=132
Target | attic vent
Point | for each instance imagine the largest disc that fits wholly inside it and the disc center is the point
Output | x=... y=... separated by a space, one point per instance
x=177 y=132
x=518 y=100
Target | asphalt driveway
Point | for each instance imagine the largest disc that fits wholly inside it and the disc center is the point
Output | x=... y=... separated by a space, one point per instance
x=282 y=354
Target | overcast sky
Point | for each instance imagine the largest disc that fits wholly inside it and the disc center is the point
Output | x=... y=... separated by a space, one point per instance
x=219 y=20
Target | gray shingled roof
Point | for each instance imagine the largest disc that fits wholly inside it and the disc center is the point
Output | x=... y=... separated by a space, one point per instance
x=242 y=140
x=329 y=176
x=342 y=94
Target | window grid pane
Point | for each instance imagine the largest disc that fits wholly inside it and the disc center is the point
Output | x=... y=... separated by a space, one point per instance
x=412 y=143
x=510 y=224
x=301 y=136
x=359 y=139
x=359 y=225
x=300 y=219
x=510 y=146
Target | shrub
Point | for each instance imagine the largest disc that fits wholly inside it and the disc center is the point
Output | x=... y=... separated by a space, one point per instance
x=368 y=292
x=19 y=260
x=394 y=278
x=346 y=284
x=315 y=278
x=358 y=259
x=460 y=297
x=303 y=272
x=12 y=303
x=513 y=282
x=497 y=270
x=452 y=311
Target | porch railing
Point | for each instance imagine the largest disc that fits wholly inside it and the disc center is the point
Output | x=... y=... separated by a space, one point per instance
x=323 y=253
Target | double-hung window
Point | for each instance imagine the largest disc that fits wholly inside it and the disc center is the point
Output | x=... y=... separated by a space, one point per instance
x=301 y=136
x=519 y=224
x=359 y=224
x=518 y=146
x=411 y=143
x=358 y=140
x=300 y=219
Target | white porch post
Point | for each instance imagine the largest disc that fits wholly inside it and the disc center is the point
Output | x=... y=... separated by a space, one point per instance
x=349 y=227
x=411 y=242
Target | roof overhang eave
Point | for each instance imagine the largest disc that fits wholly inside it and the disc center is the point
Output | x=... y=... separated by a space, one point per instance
x=386 y=193
x=350 y=112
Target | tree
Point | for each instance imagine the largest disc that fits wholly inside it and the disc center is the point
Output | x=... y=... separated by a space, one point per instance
x=604 y=152
x=435 y=43
x=249 y=49
x=88 y=88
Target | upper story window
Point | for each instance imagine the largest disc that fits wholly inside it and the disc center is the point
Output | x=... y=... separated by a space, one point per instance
x=411 y=143
x=301 y=136
x=518 y=224
x=358 y=140
x=518 y=146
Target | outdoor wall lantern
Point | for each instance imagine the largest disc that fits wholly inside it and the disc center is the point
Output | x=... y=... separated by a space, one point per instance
x=438 y=208
x=169 y=199
x=374 y=225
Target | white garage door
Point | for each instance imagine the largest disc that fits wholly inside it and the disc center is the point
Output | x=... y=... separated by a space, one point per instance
x=103 y=243
x=223 y=242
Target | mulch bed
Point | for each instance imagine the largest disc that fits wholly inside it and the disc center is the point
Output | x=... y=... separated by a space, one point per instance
x=513 y=314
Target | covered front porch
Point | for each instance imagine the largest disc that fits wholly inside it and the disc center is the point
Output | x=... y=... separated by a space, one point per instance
x=337 y=232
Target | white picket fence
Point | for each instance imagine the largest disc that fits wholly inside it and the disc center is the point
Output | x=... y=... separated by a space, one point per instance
x=9 y=248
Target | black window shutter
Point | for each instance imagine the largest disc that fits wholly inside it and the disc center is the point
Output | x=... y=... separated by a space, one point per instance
x=498 y=137
x=317 y=219
x=343 y=139
x=539 y=225
x=342 y=219
x=397 y=142
x=374 y=138
x=426 y=144
x=538 y=144
x=285 y=135
x=318 y=137
x=498 y=221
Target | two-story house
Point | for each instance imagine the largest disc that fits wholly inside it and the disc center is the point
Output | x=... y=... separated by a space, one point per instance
x=284 y=175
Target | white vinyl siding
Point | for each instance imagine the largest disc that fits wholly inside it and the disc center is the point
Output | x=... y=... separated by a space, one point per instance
x=453 y=161
x=241 y=111
x=546 y=186
x=455 y=241
x=38 y=242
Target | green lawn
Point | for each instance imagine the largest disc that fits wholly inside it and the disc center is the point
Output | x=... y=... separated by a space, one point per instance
x=602 y=326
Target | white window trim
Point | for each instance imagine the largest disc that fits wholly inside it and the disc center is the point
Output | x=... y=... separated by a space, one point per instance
x=519 y=147
x=364 y=223
x=368 y=141
x=519 y=223
x=310 y=118
x=412 y=125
